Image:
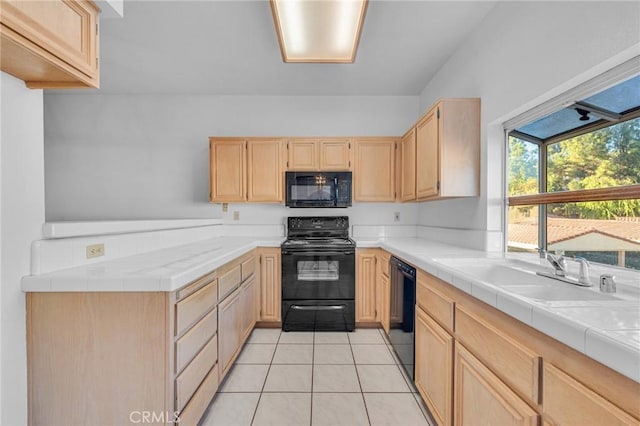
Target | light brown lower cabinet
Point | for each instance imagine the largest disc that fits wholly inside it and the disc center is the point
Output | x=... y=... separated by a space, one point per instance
x=567 y=401
x=229 y=326
x=249 y=299
x=483 y=399
x=383 y=292
x=366 y=309
x=505 y=372
x=434 y=367
x=114 y=357
x=270 y=285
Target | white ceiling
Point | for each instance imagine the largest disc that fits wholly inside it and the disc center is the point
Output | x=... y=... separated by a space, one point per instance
x=230 y=48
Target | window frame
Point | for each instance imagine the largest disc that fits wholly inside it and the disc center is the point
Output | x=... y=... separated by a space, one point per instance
x=543 y=198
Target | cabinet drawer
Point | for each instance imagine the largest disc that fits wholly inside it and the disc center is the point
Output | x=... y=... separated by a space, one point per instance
x=439 y=306
x=567 y=401
x=189 y=380
x=248 y=268
x=196 y=285
x=194 y=339
x=196 y=407
x=516 y=365
x=228 y=281
x=195 y=306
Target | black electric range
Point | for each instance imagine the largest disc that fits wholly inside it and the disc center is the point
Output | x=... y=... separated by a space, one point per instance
x=318 y=275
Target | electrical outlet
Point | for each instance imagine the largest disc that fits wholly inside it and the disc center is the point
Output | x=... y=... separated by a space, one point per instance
x=95 y=250
x=396 y=217
x=236 y=215
x=225 y=207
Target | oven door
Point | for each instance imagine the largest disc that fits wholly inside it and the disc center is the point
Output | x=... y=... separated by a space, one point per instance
x=318 y=275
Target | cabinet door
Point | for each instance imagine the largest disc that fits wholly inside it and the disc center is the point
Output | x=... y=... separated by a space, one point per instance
x=270 y=285
x=265 y=180
x=302 y=155
x=374 y=173
x=567 y=401
x=335 y=154
x=51 y=43
x=427 y=163
x=384 y=307
x=408 y=166
x=227 y=162
x=248 y=311
x=434 y=367
x=482 y=398
x=229 y=324
x=366 y=286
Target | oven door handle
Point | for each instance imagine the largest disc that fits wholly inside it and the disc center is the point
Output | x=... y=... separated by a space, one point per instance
x=317 y=253
x=318 y=308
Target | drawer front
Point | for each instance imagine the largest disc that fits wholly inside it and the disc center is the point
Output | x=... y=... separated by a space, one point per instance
x=194 y=410
x=434 y=303
x=189 y=380
x=567 y=401
x=196 y=285
x=190 y=309
x=248 y=268
x=228 y=281
x=193 y=340
x=516 y=365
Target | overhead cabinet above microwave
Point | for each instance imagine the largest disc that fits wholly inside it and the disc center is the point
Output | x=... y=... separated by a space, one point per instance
x=316 y=154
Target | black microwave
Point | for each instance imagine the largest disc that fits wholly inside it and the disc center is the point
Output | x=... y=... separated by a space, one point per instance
x=318 y=189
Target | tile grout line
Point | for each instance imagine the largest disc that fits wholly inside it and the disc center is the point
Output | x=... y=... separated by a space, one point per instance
x=415 y=396
x=255 y=410
x=355 y=366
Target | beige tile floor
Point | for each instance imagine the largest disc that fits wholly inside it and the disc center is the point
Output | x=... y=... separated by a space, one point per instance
x=323 y=378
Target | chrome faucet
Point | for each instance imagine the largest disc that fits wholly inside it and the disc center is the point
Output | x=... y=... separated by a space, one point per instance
x=559 y=264
x=583 y=277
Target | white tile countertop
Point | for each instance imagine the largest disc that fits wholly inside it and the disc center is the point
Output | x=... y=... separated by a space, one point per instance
x=160 y=270
x=605 y=330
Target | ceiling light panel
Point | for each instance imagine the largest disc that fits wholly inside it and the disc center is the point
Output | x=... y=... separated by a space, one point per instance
x=318 y=30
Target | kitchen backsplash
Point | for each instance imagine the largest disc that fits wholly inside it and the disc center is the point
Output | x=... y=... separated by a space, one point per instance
x=52 y=254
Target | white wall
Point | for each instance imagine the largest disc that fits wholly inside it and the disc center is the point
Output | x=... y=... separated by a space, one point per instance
x=521 y=51
x=22 y=216
x=146 y=156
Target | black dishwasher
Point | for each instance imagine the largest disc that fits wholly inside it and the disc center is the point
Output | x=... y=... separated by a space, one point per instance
x=401 y=333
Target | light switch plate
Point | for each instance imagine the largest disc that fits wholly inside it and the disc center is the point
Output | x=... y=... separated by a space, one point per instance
x=236 y=215
x=396 y=217
x=95 y=250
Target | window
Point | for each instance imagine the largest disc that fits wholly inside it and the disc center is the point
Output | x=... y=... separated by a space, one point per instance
x=574 y=179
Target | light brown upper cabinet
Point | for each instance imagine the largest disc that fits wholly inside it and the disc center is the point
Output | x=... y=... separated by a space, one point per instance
x=50 y=44
x=335 y=154
x=374 y=172
x=447 y=152
x=228 y=158
x=407 y=165
x=265 y=179
x=318 y=154
x=246 y=170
